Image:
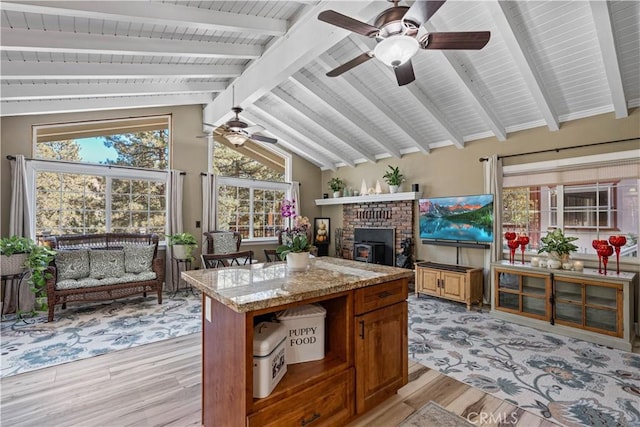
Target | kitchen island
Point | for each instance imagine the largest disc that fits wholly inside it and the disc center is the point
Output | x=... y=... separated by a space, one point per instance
x=366 y=353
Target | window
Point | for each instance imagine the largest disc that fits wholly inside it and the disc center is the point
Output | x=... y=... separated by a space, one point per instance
x=250 y=207
x=107 y=176
x=591 y=197
x=251 y=187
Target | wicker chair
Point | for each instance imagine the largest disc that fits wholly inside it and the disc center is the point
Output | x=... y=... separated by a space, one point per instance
x=216 y=236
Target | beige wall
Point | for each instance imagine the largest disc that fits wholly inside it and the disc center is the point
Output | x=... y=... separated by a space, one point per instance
x=445 y=171
x=451 y=171
x=188 y=154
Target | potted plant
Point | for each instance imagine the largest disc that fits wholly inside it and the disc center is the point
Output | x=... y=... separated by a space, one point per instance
x=393 y=178
x=558 y=246
x=336 y=184
x=183 y=245
x=296 y=244
x=14 y=251
x=38 y=261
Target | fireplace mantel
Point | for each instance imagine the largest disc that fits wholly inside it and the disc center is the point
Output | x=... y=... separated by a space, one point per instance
x=387 y=197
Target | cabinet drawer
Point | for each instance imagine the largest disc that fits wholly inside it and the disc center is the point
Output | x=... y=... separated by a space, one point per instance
x=374 y=297
x=330 y=402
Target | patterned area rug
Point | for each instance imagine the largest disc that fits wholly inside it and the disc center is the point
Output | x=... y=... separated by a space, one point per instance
x=88 y=330
x=569 y=381
x=433 y=414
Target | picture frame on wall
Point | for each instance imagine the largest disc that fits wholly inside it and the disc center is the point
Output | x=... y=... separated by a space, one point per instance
x=321 y=231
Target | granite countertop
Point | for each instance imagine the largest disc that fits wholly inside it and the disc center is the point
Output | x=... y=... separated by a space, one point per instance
x=266 y=285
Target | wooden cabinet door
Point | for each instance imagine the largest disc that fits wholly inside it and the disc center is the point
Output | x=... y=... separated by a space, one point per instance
x=381 y=354
x=453 y=286
x=427 y=281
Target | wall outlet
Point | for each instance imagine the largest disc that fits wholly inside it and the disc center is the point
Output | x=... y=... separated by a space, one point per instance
x=197 y=224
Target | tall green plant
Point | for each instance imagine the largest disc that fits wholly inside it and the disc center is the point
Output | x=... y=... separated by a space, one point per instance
x=38 y=262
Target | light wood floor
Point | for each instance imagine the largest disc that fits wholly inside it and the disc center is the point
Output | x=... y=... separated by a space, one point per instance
x=159 y=385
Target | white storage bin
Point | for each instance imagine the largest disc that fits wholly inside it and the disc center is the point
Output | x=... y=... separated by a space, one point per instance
x=269 y=359
x=305 y=332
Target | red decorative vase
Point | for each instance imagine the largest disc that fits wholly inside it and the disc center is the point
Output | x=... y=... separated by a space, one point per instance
x=605 y=251
x=617 y=242
x=596 y=244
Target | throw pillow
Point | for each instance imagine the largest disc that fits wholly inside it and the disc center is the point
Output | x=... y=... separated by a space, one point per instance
x=72 y=264
x=106 y=263
x=224 y=243
x=138 y=258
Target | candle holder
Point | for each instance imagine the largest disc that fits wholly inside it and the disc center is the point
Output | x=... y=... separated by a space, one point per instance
x=523 y=240
x=617 y=242
x=596 y=244
x=513 y=245
x=605 y=251
x=510 y=236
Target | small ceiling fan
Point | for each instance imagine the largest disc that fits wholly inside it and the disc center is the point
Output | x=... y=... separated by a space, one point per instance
x=238 y=132
x=397 y=33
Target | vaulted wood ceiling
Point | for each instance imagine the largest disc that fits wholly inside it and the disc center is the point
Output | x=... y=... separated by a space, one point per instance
x=548 y=62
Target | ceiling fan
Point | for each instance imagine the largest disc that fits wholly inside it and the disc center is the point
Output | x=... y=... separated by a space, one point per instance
x=397 y=33
x=238 y=132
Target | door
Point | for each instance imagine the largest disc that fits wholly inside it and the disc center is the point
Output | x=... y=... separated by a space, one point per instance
x=381 y=354
x=427 y=282
x=453 y=286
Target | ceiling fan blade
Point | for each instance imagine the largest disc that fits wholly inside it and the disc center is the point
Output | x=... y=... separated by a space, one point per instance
x=404 y=73
x=253 y=129
x=422 y=10
x=348 y=23
x=264 y=139
x=364 y=57
x=474 y=40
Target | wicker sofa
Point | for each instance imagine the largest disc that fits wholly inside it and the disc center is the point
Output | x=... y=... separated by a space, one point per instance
x=95 y=267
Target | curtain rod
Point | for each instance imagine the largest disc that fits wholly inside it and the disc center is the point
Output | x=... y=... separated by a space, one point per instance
x=251 y=179
x=10 y=157
x=557 y=150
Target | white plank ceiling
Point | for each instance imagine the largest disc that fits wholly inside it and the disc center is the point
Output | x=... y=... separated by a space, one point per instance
x=548 y=62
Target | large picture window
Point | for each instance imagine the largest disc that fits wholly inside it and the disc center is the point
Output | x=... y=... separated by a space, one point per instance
x=592 y=197
x=251 y=186
x=104 y=176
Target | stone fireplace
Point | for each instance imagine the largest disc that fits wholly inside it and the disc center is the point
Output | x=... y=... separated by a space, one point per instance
x=377 y=222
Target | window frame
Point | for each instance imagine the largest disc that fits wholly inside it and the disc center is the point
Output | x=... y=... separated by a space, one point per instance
x=109 y=172
x=251 y=185
x=518 y=175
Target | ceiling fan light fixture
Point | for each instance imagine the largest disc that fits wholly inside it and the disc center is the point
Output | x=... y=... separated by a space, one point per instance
x=236 y=139
x=396 y=50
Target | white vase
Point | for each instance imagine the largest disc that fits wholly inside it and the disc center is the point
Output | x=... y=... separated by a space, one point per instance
x=336 y=194
x=297 y=261
x=393 y=188
x=182 y=251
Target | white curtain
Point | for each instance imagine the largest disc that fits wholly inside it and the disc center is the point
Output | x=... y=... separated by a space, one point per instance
x=20 y=215
x=493 y=185
x=209 y=205
x=175 y=185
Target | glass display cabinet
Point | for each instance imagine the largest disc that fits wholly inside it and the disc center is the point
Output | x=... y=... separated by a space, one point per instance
x=585 y=305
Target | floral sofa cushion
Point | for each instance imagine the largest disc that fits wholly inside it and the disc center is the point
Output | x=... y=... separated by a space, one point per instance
x=106 y=263
x=138 y=258
x=89 y=282
x=72 y=264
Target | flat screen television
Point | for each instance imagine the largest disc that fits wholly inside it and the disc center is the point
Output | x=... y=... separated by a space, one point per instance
x=458 y=219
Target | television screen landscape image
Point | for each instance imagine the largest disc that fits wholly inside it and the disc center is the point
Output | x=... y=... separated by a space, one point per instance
x=460 y=218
